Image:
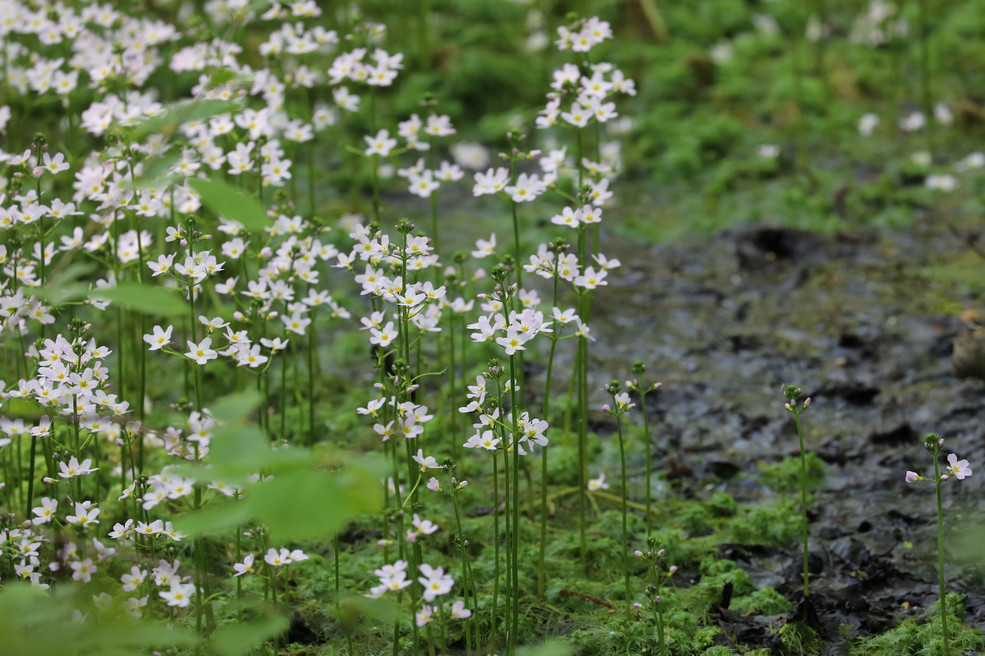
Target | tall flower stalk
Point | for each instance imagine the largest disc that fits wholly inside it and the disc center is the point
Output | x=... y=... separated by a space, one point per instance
x=959 y=469
x=620 y=406
x=793 y=393
x=637 y=385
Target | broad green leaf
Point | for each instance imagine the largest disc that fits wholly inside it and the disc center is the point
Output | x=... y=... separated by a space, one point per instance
x=259 y=6
x=34 y=623
x=231 y=203
x=234 y=407
x=23 y=408
x=235 y=452
x=241 y=638
x=65 y=285
x=226 y=515
x=117 y=637
x=155 y=172
x=168 y=121
x=303 y=504
x=144 y=298
x=239 y=448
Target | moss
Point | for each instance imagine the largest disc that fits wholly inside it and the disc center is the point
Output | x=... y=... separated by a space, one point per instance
x=924 y=639
x=765 y=601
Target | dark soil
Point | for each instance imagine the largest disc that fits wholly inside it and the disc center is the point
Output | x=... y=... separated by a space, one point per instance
x=727 y=322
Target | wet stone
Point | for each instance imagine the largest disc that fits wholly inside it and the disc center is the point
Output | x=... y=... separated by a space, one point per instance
x=725 y=322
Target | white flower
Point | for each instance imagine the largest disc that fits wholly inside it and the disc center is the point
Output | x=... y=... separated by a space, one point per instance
x=960 y=468
x=598 y=483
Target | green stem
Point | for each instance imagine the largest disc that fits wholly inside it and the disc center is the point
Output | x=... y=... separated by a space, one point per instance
x=649 y=455
x=469 y=583
x=311 y=382
x=496 y=559
x=625 y=494
x=515 y=530
x=940 y=556
x=803 y=492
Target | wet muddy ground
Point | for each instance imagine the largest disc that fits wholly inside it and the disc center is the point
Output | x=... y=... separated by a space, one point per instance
x=726 y=322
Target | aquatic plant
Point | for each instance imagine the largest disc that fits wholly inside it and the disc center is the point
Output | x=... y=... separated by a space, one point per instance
x=959 y=469
x=795 y=406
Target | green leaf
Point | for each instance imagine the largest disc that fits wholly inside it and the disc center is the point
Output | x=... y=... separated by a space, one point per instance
x=144 y=298
x=303 y=504
x=212 y=520
x=65 y=286
x=234 y=408
x=155 y=173
x=34 y=623
x=550 y=648
x=240 y=638
x=231 y=203
x=355 y=608
x=168 y=121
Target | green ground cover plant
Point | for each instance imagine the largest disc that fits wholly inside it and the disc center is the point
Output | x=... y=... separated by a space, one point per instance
x=297 y=304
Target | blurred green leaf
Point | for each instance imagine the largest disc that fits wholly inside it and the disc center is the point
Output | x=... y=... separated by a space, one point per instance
x=353 y=608
x=144 y=298
x=24 y=408
x=35 y=623
x=167 y=122
x=64 y=285
x=155 y=172
x=303 y=504
x=241 y=638
x=225 y=515
x=236 y=407
x=231 y=203
x=550 y=648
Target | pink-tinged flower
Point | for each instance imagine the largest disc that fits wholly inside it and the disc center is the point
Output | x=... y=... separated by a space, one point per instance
x=459 y=611
x=960 y=468
x=913 y=477
x=75 y=468
x=245 y=567
x=426 y=463
x=277 y=558
x=82 y=570
x=435 y=581
x=423 y=616
x=159 y=338
x=55 y=164
x=133 y=580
